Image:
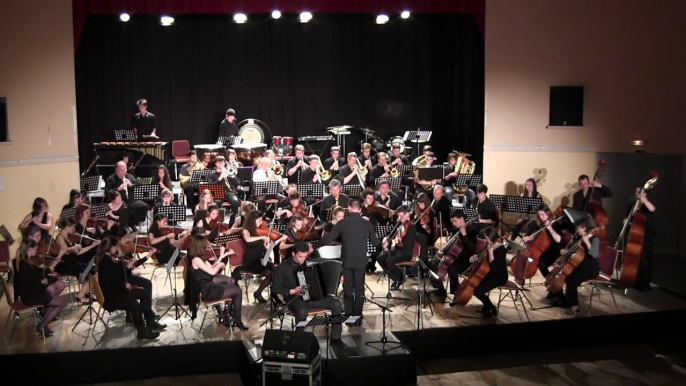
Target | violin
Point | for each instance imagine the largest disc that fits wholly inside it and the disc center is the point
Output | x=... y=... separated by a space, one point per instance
x=402 y=232
x=218 y=224
x=78 y=238
x=264 y=230
x=176 y=230
x=375 y=207
x=141 y=245
x=53 y=249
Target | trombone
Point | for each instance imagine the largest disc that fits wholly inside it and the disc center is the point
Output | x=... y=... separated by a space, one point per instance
x=324 y=175
x=361 y=170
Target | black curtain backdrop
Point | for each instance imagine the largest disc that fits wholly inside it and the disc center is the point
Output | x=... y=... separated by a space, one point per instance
x=427 y=72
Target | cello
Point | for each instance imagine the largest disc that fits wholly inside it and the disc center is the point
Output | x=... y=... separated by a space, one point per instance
x=635 y=237
x=565 y=265
x=475 y=274
x=524 y=265
x=450 y=251
x=595 y=208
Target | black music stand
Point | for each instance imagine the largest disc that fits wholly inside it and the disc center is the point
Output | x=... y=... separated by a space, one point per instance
x=417 y=137
x=230 y=140
x=90 y=310
x=384 y=340
x=217 y=189
x=352 y=190
x=179 y=309
x=468 y=180
x=67 y=213
x=224 y=239
x=430 y=173
x=146 y=192
x=405 y=170
x=469 y=213
x=264 y=188
x=125 y=135
x=90 y=184
x=99 y=211
x=201 y=176
x=394 y=183
x=311 y=190
x=244 y=172
x=174 y=213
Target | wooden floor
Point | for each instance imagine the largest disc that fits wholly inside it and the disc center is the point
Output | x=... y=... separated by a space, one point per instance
x=26 y=340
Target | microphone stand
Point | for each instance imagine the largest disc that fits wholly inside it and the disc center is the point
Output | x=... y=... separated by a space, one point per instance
x=384 y=339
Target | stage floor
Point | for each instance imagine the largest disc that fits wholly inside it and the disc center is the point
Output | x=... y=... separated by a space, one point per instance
x=403 y=318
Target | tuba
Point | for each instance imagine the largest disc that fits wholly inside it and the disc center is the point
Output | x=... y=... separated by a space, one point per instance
x=463 y=166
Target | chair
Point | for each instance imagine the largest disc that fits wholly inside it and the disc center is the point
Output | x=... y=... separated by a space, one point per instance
x=210 y=304
x=100 y=298
x=607 y=261
x=515 y=292
x=5 y=259
x=19 y=309
x=69 y=280
x=405 y=266
x=180 y=151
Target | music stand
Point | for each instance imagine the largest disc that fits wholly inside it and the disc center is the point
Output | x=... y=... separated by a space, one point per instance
x=573 y=215
x=90 y=310
x=469 y=213
x=67 y=213
x=179 y=309
x=99 y=211
x=417 y=136
x=225 y=239
x=311 y=190
x=264 y=188
x=430 y=173
x=174 y=213
x=230 y=140
x=394 y=183
x=468 y=180
x=125 y=135
x=216 y=189
x=405 y=170
x=144 y=180
x=146 y=192
x=244 y=172
x=352 y=190
x=200 y=176
x=384 y=340
x=90 y=184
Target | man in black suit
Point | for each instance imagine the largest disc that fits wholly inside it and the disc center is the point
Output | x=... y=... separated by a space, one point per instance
x=399 y=253
x=582 y=197
x=353 y=232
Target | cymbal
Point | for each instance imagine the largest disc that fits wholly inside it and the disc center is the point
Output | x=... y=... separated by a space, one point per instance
x=462 y=153
x=418 y=140
x=366 y=130
x=339 y=128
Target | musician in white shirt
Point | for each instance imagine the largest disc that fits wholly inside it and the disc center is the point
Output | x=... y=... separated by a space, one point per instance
x=264 y=173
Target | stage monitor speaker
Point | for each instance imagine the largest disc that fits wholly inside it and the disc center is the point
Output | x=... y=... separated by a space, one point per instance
x=566 y=106
x=290 y=346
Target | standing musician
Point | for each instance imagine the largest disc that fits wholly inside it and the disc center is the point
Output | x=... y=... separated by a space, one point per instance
x=547 y=258
x=186 y=173
x=449 y=173
x=335 y=198
x=646 y=208
x=166 y=199
x=286 y=285
x=581 y=198
x=350 y=172
x=335 y=161
x=427 y=221
x=485 y=208
x=441 y=205
x=296 y=164
x=121 y=295
x=380 y=170
x=40 y=216
x=530 y=191
x=164 y=243
x=386 y=196
x=586 y=270
x=76 y=257
x=311 y=174
x=400 y=248
x=221 y=176
x=467 y=236
x=227 y=127
x=353 y=231
x=144 y=120
x=366 y=158
x=497 y=274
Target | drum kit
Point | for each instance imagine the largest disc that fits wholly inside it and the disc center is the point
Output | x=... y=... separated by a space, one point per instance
x=379 y=144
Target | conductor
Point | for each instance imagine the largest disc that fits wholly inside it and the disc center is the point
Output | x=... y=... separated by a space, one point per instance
x=285 y=283
x=353 y=233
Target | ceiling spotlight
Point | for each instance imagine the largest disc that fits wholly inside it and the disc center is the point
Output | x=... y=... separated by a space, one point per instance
x=240 y=18
x=276 y=14
x=167 y=21
x=382 y=19
x=638 y=142
x=305 y=17
x=124 y=17
x=405 y=14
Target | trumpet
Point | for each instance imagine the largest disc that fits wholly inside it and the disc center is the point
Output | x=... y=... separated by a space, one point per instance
x=304 y=165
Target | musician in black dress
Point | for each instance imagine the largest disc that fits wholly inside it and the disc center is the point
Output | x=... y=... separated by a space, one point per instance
x=402 y=247
x=297 y=164
x=162 y=178
x=286 y=284
x=348 y=174
x=554 y=231
x=353 y=231
x=646 y=208
x=497 y=274
x=144 y=121
x=586 y=270
x=335 y=198
x=338 y=215
x=335 y=161
x=427 y=224
x=40 y=216
x=488 y=216
x=227 y=127
x=380 y=169
x=221 y=176
x=530 y=191
x=211 y=224
x=466 y=235
x=164 y=243
x=441 y=205
x=120 y=294
x=581 y=198
x=212 y=284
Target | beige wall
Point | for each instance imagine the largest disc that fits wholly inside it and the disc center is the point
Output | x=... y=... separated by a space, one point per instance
x=628 y=55
x=37 y=77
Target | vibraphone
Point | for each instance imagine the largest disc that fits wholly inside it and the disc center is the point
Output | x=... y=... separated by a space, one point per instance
x=159 y=150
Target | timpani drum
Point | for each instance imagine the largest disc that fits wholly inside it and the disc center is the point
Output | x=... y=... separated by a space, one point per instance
x=249 y=153
x=287 y=145
x=251 y=132
x=208 y=152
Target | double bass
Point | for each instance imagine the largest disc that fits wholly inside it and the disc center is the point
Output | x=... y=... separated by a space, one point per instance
x=635 y=238
x=475 y=274
x=565 y=265
x=595 y=208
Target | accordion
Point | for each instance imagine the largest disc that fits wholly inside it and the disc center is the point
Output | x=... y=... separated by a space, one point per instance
x=310 y=279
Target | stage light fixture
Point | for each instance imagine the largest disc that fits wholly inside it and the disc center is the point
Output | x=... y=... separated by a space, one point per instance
x=405 y=14
x=240 y=18
x=638 y=142
x=382 y=19
x=166 y=21
x=124 y=17
x=305 y=17
x=276 y=14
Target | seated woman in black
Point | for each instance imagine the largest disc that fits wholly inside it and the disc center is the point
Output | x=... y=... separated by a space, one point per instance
x=211 y=224
x=83 y=214
x=426 y=225
x=163 y=243
x=40 y=216
x=554 y=231
x=212 y=284
x=75 y=198
x=497 y=275
x=121 y=295
x=76 y=257
x=162 y=178
x=295 y=225
x=34 y=287
x=530 y=191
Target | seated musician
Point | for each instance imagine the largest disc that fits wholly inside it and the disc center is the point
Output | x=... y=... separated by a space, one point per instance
x=425 y=184
x=75 y=198
x=295 y=231
x=295 y=206
x=338 y=215
x=33 y=286
x=581 y=198
x=380 y=170
x=349 y=173
x=296 y=164
x=123 y=182
x=463 y=197
x=41 y=217
x=399 y=249
x=232 y=159
x=466 y=234
x=335 y=198
x=311 y=174
x=115 y=208
x=646 y=208
x=162 y=178
x=426 y=150
x=186 y=173
x=427 y=223
x=120 y=294
x=206 y=198
x=126 y=249
x=497 y=274
x=441 y=205
x=485 y=208
x=335 y=161
x=221 y=176
x=586 y=270
x=83 y=214
x=397 y=158
x=370 y=211
x=366 y=159
x=76 y=257
x=264 y=173
x=247 y=207
x=286 y=284
x=290 y=188
x=211 y=224
x=386 y=196
x=554 y=230
x=163 y=243
x=449 y=173
x=530 y=191
x=124 y=157
x=166 y=199
x=144 y=121
x=212 y=285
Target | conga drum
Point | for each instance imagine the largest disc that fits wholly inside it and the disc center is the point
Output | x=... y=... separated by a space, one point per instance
x=208 y=152
x=288 y=145
x=277 y=144
x=249 y=153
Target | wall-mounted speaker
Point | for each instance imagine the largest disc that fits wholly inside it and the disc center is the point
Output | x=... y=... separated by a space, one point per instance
x=566 y=106
x=4 y=135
